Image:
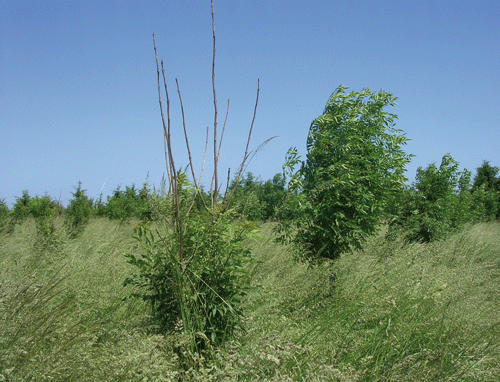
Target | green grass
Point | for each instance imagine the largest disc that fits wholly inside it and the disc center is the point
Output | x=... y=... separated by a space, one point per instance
x=391 y=312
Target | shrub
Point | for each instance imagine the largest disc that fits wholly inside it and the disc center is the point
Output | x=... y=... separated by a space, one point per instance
x=203 y=291
x=486 y=203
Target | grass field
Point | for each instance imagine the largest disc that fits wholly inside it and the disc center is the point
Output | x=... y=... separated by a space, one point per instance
x=392 y=312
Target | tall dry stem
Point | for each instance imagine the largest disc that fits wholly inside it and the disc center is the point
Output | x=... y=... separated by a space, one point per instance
x=194 y=270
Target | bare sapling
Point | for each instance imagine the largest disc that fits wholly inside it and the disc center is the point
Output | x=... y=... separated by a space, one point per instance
x=192 y=271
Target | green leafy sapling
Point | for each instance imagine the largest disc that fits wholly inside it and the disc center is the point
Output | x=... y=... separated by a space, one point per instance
x=354 y=164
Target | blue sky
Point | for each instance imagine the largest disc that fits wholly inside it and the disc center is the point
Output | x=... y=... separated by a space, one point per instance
x=79 y=102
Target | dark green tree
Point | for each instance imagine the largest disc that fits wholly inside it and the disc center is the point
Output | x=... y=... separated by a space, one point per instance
x=354 y=164
x=488 y=175
x=21 y=208
x=44 y=210
x=272 y=195
x=79 y=211
x=438 y=202
x=131 y=202
x=4 y=214
x=486 y=189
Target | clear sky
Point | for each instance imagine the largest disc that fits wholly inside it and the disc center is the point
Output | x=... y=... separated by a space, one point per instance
x=79 y=101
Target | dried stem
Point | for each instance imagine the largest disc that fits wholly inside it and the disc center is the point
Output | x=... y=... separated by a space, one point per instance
x=251 y=126
x=189 y=151
x=171 y=165
x=185 y=135
x=223 y=129
x=171 y=172
x=220 y=142
x=245 y=157
x=227 y=183
x=213 y=188
x=165 y=132
x=204 y=156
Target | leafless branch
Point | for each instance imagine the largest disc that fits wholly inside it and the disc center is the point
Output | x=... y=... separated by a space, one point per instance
x=185 y=135
x=223 y=129
x=213 y=188
x=204 y=157
x=165 y=133
x=245 y=157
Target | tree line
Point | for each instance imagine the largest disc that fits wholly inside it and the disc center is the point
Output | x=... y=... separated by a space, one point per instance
x=253 y=199
x=351 y=181
x=441 y=198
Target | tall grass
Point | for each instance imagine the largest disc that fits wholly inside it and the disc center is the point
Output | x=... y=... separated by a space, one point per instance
x=426 y=312
x=62 y=316
x=391 y=312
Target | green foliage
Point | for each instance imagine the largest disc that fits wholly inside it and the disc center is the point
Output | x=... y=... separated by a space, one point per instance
x=194 y=281
x=43 y=207
x=486 y=186
x=246 y=198
x=272 y=196
x=256 y=200
x=79 y=211
x=487 y=175
x=21 y=209
x=486 y=203
x=160 y=203
x=124 y=204
x=440 y=201
x=4 y=214
x=99 y=207
x=354 y=165
x=45 y=210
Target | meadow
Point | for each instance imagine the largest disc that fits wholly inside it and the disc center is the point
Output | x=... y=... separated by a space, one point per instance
x=390 y=311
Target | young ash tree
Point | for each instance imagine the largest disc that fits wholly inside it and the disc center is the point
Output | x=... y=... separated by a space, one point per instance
x=354 y=164
x=190 y=265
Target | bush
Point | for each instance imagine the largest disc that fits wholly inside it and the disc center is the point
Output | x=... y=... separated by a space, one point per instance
x=245 y=200
x=256 y=200
x=198 y=282
x=486 y=203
